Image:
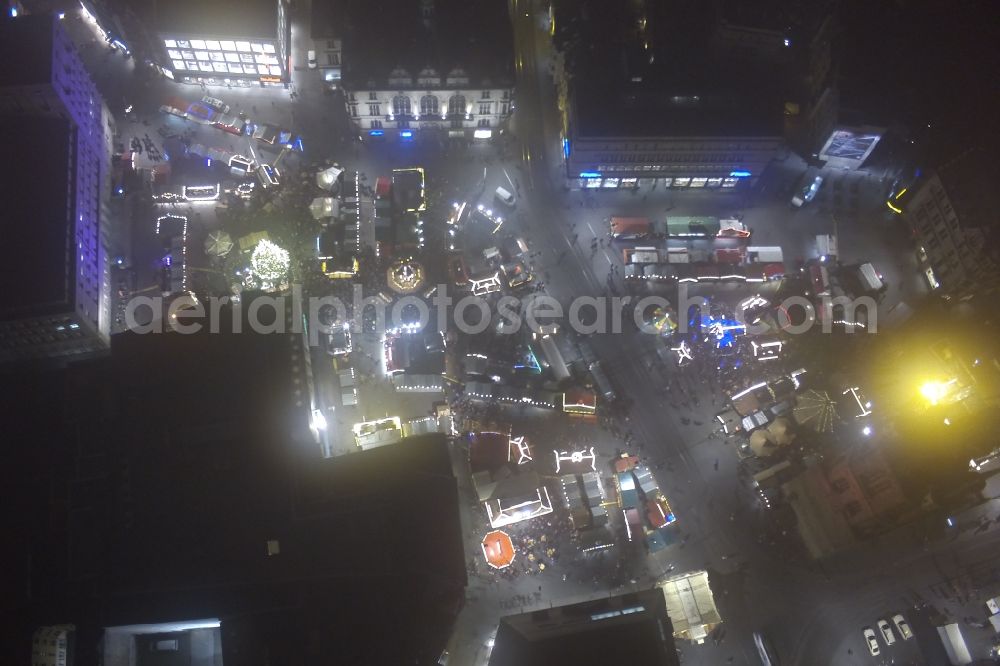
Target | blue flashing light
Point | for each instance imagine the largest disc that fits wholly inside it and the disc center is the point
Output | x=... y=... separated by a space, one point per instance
x=298 y=145
x=589 y=174
x=208 y=161
x=406 y=134
x=566 y=148
x=13 y=12
x=739 y=174
x=376 y=133
x=167 y=260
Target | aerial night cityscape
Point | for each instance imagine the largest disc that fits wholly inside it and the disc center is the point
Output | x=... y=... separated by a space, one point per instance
x=500 y=332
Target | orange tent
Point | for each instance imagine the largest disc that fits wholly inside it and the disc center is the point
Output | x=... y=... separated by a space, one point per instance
x=498 y=549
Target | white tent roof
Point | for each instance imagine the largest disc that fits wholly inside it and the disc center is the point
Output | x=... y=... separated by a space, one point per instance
x=323 y=207
x=690 y=605
x=327 y=177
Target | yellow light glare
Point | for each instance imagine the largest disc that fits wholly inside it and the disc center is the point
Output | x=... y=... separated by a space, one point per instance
x=935 y=391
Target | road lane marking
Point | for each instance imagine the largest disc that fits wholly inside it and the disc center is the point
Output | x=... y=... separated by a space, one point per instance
x=513 y=187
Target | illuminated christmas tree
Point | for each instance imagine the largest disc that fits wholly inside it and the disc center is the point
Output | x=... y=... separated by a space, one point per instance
x=270 y=263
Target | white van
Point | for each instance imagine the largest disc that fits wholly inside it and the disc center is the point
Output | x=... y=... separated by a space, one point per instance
x=505 y=196
x=870 y=278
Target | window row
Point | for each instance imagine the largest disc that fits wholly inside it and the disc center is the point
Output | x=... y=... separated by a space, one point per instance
x=217 y=56
x=402 y=124
x=226 y=68
x=430 y=106
x=673 y=158
x=219 y=45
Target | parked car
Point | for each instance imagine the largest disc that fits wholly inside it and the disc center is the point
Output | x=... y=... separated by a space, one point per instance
x=504 y=196
x=887 y=634
x=870 y=640
x=902 y=627
x=808 y=193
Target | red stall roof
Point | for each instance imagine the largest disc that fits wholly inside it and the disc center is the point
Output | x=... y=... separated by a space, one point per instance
x=621 y=226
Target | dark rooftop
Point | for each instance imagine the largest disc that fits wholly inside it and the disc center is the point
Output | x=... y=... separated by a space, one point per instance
x=217 y=18
x=970 y=181
x=191 y=472
x=658 y=75
x=798 y=19
x=475 y=37
x=590 y=634
x=36 y=257
x=327 y=19
x=608 y=112
x=26 y=41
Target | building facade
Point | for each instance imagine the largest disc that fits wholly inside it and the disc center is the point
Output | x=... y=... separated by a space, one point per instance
x=431 y=102
x=233 y=42
x=952 y=213
x=62 y=306
x=52 y=646
x=326 y=29
x=683 y=162
x=446 y=69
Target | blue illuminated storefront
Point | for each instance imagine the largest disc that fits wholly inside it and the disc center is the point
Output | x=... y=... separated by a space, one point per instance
x=606 y=180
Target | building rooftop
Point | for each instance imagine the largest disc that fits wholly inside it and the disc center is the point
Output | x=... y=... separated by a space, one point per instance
x=641 y=74
x=327 y=19
x=432 y=39
x=628 y=629
x=27 y=41
x=969 y=179
x=194 y=470
x=602 y=111
x=797 y=19
x=37 y=253
x=218 y=18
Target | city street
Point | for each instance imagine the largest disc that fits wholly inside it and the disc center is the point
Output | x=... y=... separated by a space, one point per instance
x=813 y=612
